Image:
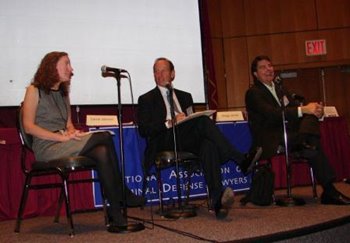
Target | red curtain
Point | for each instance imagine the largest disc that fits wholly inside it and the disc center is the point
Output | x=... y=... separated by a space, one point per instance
x=209 y=68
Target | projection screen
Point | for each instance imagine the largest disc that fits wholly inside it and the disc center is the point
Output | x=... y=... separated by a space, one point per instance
x=118 y=33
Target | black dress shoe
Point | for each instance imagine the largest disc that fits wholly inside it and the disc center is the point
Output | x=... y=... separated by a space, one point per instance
x=117 y=227
x=248 y=163
x=339 y=199
x=223 y=205
x=117 y=223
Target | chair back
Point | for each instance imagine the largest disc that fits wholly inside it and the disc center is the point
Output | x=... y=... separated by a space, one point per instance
x=27 y=140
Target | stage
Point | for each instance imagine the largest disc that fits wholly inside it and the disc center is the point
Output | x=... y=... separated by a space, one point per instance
x=311 y=222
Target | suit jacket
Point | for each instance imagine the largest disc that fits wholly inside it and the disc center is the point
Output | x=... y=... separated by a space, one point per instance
x=265 y=118
x=151 y=117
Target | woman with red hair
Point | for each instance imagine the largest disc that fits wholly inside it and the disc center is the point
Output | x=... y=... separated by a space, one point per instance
x=47 y=117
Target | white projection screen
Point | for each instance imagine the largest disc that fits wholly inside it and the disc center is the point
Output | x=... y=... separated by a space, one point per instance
x=128 y=34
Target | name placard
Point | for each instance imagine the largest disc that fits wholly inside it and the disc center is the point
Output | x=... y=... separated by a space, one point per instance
x=330 y=111
x=223 y=116
x=101 y=120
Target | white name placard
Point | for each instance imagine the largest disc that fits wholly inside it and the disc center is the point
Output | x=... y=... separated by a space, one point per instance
x=101 y=120
x=330 y=111
x=223 y=116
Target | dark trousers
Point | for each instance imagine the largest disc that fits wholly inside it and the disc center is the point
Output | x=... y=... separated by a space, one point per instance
x=202 y=137
x=324 y=173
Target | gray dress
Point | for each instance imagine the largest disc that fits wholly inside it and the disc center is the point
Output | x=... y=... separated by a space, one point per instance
x=52 y=115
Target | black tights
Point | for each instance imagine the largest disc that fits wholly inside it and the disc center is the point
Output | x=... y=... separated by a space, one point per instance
x=100 y=147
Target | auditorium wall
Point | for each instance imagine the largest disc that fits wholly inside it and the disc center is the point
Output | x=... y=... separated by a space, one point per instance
x=242 y=29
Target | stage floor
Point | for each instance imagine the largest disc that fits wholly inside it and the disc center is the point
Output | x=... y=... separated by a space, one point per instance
x=245 y=223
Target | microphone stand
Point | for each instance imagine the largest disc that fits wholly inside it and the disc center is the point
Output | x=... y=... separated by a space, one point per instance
x=180 y=211
x=131 y=227
x=287 y=200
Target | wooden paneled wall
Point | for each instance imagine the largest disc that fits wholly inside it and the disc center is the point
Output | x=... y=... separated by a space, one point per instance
x=243 y=29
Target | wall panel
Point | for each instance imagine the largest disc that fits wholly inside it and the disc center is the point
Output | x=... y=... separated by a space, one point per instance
x=237 y=75
x=274 y=16
x=289 y=49
x=220 y=72
x=214 y=15
x=333 y=13
x=307 y=84
x=233 y=18
x=337 y=86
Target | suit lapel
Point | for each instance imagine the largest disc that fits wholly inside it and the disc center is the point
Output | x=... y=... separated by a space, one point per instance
x=268 y=93
x=159 y=102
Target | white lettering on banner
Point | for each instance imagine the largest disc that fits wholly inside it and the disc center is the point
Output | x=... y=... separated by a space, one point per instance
x=149 y=190
x=238 y=169
x=225 y=170
x=193 y=186
x=151 y=178
x=234 y=181
x=133 y=179
x=184 y=174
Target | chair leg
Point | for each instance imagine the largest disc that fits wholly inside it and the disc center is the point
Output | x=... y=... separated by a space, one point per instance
x=188 y=184
x=314 y=185
x=23 y=203
x=104 y=205
x=160 y=192
x=67 y=202
x=209 y=202
x=145 y=183
x=58 y=210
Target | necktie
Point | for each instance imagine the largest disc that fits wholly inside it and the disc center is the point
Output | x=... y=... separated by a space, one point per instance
x=279 y=95
x=172 y=101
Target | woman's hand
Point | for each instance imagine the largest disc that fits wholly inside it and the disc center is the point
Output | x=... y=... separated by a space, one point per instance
x=71 y=135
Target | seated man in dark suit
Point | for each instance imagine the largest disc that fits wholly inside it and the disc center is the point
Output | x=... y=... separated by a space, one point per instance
x=199 y=136
x=264 y=102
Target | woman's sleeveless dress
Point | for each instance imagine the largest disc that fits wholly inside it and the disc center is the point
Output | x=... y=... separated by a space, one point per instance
x=52 y=115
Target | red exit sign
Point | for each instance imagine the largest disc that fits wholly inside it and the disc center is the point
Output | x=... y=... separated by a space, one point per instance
x=315 y=47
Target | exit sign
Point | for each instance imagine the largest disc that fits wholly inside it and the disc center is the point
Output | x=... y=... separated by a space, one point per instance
x=315 y=47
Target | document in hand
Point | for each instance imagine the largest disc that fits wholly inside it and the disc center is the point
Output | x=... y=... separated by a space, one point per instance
x=97 y=131
x=197 y=114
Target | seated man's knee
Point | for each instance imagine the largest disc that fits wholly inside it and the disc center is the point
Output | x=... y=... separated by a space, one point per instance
x=205 y=121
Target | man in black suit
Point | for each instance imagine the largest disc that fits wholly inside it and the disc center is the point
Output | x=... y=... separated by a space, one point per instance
x=199 y=136
x=264 y=102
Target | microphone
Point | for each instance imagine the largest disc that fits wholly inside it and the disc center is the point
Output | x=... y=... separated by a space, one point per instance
x=106 y=69
x=278 y=80
x=298 y=97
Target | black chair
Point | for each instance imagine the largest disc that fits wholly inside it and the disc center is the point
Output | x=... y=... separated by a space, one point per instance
x=63 y=167
x=187 y=162
x=295 y=158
